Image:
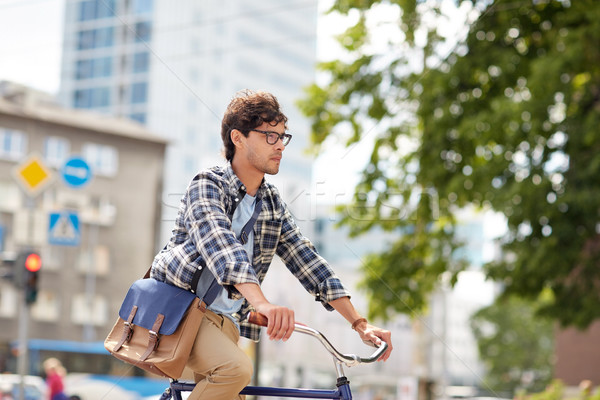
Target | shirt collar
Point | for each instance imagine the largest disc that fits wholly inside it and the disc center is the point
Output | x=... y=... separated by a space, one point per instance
x=235 y=184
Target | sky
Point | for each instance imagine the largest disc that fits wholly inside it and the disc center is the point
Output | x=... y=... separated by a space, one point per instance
x=30 y=42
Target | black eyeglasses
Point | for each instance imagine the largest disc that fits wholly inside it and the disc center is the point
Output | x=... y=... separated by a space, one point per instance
x=273 y=137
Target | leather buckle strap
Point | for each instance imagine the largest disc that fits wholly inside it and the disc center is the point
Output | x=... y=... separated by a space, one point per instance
x=127 y=329
x=153 y=338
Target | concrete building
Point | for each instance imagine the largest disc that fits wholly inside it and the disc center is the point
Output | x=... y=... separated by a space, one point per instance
x=111 y=241
x=174 y=66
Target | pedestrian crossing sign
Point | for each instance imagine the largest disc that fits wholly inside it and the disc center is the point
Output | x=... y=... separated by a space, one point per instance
x=63 y=229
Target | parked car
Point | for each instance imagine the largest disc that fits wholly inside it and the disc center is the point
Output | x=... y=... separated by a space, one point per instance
x=35 y=387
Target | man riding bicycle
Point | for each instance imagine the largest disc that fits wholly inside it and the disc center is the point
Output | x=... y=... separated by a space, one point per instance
x=209 y=236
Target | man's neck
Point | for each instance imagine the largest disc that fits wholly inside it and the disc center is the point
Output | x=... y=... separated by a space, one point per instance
x=250 y=177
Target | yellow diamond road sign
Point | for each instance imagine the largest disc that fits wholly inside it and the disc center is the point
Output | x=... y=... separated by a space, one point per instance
x=33 y=175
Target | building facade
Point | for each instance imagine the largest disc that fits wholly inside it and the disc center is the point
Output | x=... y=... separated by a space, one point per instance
x=94 y=240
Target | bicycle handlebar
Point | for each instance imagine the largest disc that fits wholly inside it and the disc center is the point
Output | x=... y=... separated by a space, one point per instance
x=348 y=359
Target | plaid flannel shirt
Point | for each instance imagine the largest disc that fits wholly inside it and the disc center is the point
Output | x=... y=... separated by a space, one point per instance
x=203 y=236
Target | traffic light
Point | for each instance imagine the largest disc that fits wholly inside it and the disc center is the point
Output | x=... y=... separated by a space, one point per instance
x=31 y=262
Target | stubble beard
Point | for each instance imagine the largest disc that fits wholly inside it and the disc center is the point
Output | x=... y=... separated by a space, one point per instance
x=267 y=166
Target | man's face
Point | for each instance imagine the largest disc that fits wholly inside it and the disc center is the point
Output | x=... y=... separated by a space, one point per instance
x=261 y=155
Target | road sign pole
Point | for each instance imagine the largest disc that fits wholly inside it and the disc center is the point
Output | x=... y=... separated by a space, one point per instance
x=23 y=350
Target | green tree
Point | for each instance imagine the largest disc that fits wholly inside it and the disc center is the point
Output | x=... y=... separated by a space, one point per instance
x=516 y=346
x=507 y=121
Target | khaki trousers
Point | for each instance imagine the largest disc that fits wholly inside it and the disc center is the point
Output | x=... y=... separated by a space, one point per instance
x=221 y=368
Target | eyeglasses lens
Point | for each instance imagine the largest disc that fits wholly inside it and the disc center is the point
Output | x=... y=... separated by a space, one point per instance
x=272 y=138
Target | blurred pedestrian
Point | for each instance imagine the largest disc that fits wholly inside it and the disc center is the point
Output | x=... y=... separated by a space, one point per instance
x=55 y=373
x=585 y=387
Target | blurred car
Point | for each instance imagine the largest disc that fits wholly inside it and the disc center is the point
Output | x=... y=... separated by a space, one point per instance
x=91 y=387
x=34 y=386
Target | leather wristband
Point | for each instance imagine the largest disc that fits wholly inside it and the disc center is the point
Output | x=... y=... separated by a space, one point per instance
x=357 y=322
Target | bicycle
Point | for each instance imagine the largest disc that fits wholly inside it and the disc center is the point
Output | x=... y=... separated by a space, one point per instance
x=342 y=391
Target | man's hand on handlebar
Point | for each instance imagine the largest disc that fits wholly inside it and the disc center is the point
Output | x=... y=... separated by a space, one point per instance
x=373 y=334
x=281 y=321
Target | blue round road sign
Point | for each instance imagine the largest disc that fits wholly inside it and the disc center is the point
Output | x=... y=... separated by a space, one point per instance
x=76 y=172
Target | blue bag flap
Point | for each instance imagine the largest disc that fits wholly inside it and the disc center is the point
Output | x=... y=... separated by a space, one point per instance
x=152 y=298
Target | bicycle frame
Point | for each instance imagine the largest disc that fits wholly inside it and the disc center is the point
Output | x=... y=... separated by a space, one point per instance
x=342 y=392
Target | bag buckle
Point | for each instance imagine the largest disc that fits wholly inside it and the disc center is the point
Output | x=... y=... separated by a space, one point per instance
x=153 y=338
x=129 y=327
x=156 y=338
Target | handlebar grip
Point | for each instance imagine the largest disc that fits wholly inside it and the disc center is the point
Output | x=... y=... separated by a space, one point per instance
x=258 y=319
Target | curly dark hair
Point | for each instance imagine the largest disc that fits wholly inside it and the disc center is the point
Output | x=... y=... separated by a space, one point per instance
x=246 y=111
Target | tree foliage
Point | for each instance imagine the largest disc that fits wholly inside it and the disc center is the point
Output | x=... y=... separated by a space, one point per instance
x=506 y=121
x=503 y=331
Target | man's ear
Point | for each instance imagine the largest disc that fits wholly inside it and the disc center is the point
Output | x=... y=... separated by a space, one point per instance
x=236 y=137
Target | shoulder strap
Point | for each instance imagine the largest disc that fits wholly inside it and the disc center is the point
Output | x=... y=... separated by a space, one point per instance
x=247 y=229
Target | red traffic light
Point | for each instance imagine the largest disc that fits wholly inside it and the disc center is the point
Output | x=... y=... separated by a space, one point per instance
x=33 y=262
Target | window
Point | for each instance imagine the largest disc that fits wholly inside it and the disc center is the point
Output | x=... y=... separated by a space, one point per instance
x=96 y=260
x=96 y=9
x=93 y=68
x=104 y=37
x=95 y=38
x=9 y=299
x=56 y=150
x=92 y=98
x=141 y=62
x=139 y=117
x=143 y=31
x=86 y=10
x=13 y=144
x=9 y=200
x=86 y=310
x=142 y=6
x=103 y=159
x=85 y=40
x=139 y=93
x=47 y=307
